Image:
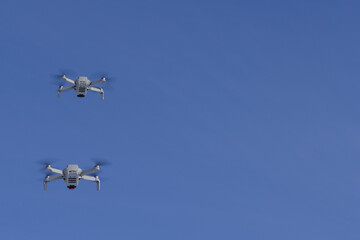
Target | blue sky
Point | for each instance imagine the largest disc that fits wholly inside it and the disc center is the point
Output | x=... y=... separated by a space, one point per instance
x=228 y=119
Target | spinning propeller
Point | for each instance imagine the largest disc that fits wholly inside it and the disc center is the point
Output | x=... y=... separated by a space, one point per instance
x=100 y=162
x=45 y=163
x=108 y=85
x=57 y=78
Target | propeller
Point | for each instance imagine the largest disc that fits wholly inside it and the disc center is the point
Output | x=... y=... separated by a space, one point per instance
x=108 y=85
x=45 y=162
x=46 y=173
x=100 y=162
x=42 y=179
x=99 y=75
x=57 y=78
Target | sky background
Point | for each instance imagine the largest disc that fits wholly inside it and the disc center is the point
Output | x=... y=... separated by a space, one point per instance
x=228 y=119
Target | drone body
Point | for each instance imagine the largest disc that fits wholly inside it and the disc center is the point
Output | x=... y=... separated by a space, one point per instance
x=82 y=85
x=72 y=174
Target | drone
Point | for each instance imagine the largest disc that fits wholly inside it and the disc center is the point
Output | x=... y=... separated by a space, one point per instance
x=81 y=86
x=72 y=174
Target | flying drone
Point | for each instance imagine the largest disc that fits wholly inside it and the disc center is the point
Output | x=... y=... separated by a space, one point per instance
x=81 y=86
x=72 y=174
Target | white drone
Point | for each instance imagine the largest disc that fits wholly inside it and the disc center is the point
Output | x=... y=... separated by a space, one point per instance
x=72 y=174
x=82 y=85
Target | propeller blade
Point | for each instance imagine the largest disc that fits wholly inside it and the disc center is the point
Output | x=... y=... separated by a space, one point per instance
x=99 y=75
x=100 y=162
x=57 y=77
x=108 y=85
x=57 y=81
x=67 y=72
x=47 y=161
x=42 y=179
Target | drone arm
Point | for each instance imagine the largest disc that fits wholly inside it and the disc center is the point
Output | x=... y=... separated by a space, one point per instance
x=57 y=177
x=67 y=88
x=54 y=170
x=99 y=90
x=62 y=88
x=49 y=179
x=98 y=82
x=89 y=178
x=68 y=80
x=91 y=170
x=94 y=179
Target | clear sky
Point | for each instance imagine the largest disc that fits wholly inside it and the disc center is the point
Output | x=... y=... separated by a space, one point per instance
x=228 y=120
